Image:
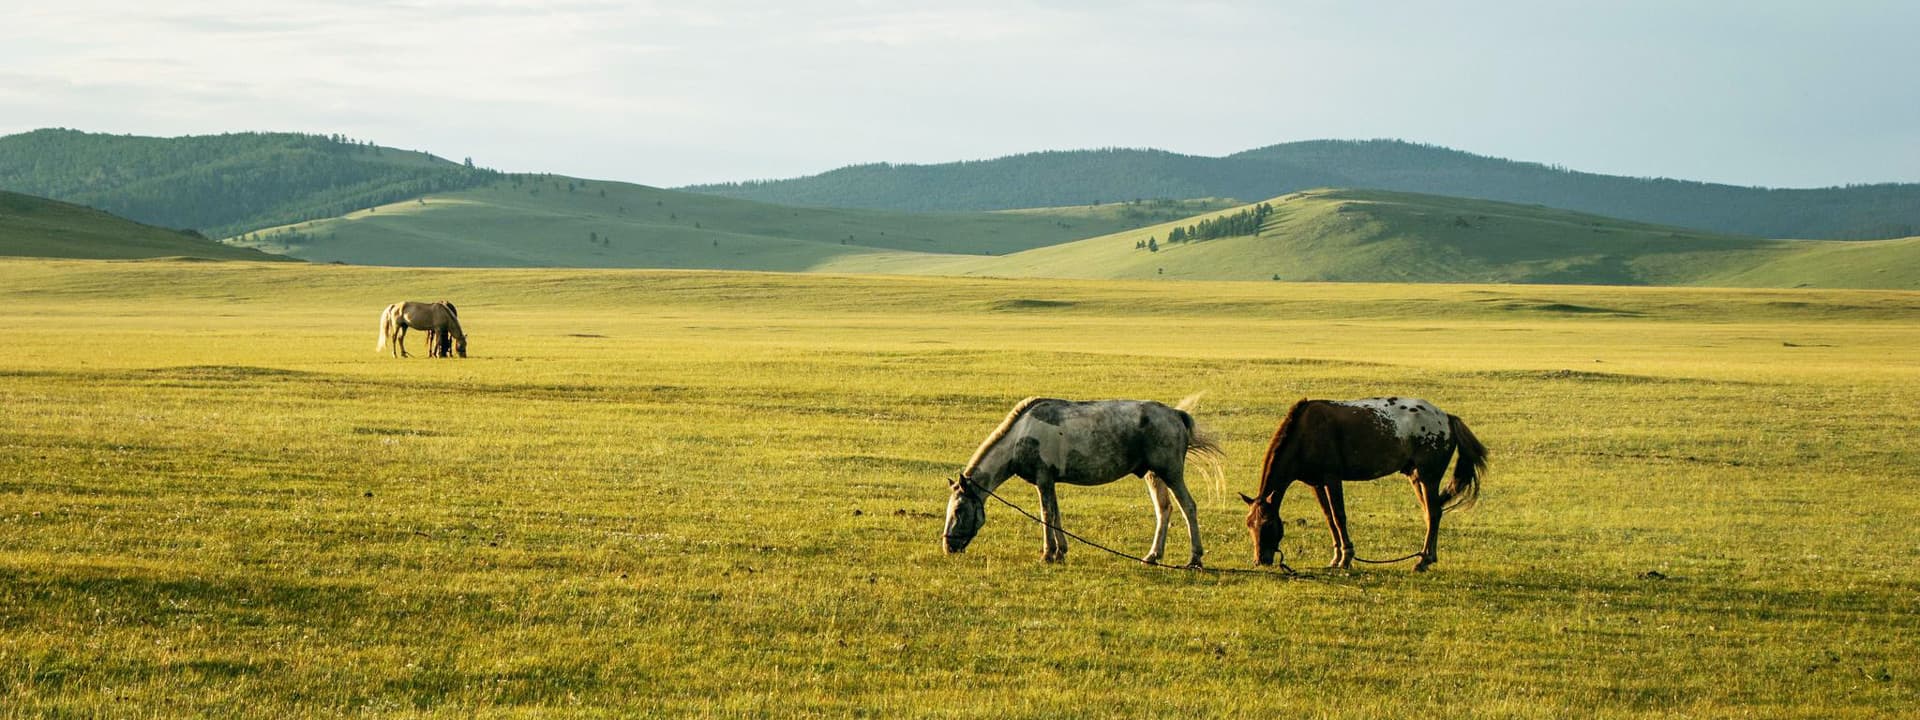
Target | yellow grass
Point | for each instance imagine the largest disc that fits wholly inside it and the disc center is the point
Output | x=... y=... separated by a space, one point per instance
x=718 y=493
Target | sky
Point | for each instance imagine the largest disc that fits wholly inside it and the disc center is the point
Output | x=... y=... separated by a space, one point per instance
x=1778 y=94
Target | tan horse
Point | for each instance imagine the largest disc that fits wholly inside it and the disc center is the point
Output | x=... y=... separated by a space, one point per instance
x=440 y=320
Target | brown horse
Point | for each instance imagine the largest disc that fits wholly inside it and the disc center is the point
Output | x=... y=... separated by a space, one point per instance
x=1325 y=442
x=440 y=320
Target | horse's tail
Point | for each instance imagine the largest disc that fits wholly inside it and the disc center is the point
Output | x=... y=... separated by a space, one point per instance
x=388 y=318
x=1203 y=446
x=1467 y=468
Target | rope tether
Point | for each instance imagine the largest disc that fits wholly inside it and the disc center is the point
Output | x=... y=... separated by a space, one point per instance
x=1286 y=572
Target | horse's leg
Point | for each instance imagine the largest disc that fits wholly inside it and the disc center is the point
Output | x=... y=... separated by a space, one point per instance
x=1162 y=506
x=1177 y=482
x=1337 y=496
x=1053 y=547
x=1426 y=484
x=1333 y=501
x=1326 y=510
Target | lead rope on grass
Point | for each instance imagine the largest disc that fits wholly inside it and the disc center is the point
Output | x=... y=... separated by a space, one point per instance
x=1402 y=558
x=1288 y=573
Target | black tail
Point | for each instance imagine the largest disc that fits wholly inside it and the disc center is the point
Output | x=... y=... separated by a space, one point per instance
x=1467 y=468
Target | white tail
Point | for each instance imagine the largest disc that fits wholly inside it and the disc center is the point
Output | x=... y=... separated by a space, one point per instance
x=1205 y=449
x=388 y=318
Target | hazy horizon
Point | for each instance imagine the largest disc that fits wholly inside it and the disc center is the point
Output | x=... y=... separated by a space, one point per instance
x=1758 y=94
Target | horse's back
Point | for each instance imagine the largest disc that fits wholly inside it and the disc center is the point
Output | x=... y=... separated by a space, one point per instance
x=1378 y=436
x=1412 y=419
x=426 y=315
x=1098 y=441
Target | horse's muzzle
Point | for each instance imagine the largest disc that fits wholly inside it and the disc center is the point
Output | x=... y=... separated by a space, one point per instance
x=952 y=545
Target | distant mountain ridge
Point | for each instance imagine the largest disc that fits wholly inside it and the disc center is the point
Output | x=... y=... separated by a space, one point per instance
x=1061 y=178
x=222 y=184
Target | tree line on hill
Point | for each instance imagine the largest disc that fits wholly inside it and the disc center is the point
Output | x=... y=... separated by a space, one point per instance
x=1246 y=222
x=1050 y=179
x=223 y=185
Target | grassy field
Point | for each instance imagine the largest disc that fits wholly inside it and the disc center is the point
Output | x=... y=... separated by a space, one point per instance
x=720 y=494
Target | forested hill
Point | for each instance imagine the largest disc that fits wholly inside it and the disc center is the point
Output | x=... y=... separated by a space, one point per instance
x=37 y=227
x=1097 y=176
x=222 y=185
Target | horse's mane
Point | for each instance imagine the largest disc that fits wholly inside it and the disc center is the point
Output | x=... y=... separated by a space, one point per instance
x=1006 y=426
x=453 y=319
x=1280 y=438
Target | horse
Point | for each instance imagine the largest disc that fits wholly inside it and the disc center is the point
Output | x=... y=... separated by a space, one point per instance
x=1324 y=442
x=440 y=320
x=440 y=344
x=1047 y=441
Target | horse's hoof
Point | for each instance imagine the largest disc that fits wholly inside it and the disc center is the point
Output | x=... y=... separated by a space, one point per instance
x=1422 y=565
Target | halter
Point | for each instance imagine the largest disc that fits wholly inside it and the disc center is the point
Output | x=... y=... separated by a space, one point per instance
x=965 y=485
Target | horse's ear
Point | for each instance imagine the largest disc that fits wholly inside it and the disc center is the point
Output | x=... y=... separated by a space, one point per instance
x=1245 y=499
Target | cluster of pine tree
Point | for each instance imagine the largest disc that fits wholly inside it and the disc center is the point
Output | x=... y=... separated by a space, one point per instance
x=1245 y=222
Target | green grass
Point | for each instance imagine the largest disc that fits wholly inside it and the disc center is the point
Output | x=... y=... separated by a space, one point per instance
x=37 y=227
x=1891 y=264
x=719 y=494
x=1375 y=236
x=552 y=221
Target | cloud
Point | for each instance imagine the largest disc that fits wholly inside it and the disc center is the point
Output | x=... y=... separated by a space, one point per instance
x=769 y=89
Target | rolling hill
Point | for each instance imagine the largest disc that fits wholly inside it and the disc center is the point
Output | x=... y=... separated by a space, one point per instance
x=38 y=227
x=553 y=221
x=222 y=184
x=340 y=200
x=1378 y=236
x=1082 y=177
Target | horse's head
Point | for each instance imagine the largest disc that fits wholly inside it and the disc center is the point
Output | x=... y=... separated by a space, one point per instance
x=460 y=345
x=1263 y=521
x=966 y=512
